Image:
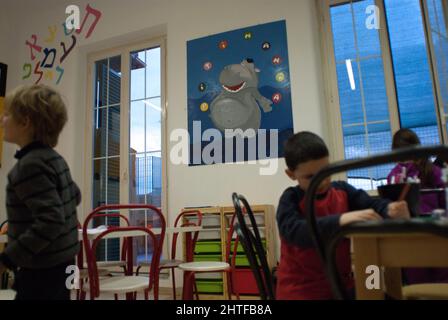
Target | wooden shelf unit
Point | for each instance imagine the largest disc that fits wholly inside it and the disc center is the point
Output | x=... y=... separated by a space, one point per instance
x=208 y=239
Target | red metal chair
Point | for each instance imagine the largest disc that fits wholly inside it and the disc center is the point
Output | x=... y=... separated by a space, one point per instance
x=192 y=218
x=127 y=246
x=231 y=254
x=128 y=283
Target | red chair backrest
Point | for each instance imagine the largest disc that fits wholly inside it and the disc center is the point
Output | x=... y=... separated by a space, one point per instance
x=91 y=255
x=97 y=212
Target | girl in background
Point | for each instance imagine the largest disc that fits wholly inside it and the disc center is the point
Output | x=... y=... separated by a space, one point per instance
x=430 y=177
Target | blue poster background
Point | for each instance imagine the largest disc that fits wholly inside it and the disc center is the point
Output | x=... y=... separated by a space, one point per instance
x=266 y=45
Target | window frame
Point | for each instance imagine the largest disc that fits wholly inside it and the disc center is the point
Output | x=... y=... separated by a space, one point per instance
x=331 y=91
x=124 y=51
x=434 y=73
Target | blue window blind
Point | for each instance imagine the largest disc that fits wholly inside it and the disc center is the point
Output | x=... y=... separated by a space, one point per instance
x=362 y=90
x=416 y=98
x=361 y=81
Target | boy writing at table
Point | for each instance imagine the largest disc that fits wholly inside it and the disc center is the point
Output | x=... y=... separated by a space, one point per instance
x=300 y=272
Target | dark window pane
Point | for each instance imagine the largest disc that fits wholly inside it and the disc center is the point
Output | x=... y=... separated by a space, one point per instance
x=114 y=80
x=349 y=100
x=113 y=131
x=374 y=88
x=343 y=32
x=368 y=41
x=411 y=67
x=362 y=89
x=113 y=181
x=99 y=182
x=100 y=83
x=99 y=132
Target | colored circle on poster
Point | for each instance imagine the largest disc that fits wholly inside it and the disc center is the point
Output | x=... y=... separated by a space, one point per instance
x=203 y=106
x=276 y=98
x=223 y=44
x=265 y=46
x=247 y=35
x=202 y=86
x=280 y=77
x=207 y=66
x=276 y=60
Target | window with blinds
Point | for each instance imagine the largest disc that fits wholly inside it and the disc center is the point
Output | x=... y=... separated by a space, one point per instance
x=388 y=77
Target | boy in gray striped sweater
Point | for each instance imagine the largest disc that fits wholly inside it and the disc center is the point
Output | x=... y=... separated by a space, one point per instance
x=41 y=197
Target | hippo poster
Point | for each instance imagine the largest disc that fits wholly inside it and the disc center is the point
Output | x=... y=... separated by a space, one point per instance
x=239 y=95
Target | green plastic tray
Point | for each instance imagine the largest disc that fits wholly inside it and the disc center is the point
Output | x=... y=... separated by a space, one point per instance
x=209 y=286
x=208 y=247
x=207 y=257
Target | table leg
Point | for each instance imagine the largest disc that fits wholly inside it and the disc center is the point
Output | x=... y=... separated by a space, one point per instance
x=365 y=253
x=392 y=279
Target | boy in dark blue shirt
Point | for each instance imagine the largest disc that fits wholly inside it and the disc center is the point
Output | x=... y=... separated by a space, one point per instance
x=300 y=272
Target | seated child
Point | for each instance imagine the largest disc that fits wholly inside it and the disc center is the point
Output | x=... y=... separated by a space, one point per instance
x=430 y=176
x=300 y=273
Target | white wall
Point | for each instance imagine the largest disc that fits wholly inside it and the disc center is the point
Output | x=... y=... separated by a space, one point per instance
x=9 y=46
x=123 y=21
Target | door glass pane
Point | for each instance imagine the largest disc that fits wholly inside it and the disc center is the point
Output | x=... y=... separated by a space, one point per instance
x=145 y=134
x=113 y=131
x=106 y=147
x=153 y=125
x=113 y=180
x=137 y=126
x=99 y=182
x=100 y=84
x=114 y=80
x=99 y=132
x=138 y=66
x=153 y=78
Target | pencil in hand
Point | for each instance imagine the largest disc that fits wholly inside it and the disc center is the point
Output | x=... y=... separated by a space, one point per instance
x=404 y=192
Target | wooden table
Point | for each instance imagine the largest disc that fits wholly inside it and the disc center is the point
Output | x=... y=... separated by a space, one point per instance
x=394 y=251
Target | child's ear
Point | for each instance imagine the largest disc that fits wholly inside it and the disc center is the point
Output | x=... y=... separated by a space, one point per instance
x=26 y=122
x=290 y=174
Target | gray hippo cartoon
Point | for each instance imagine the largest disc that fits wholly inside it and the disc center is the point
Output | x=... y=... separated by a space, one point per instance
x=237 y=106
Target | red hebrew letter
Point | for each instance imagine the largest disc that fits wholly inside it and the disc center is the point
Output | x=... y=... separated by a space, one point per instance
x=39 y=72
x=97 y=15
x=33 y=46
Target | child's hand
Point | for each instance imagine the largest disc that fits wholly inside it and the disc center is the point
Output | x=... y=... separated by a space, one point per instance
x=361 y=215
x=398 y=210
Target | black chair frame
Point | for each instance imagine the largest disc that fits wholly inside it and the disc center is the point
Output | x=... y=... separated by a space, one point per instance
x=253 y=247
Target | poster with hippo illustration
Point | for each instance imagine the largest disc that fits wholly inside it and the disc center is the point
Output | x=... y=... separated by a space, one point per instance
x=239 y=95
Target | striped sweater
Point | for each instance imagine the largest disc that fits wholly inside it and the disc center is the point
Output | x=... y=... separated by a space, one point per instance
x=41 y=205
